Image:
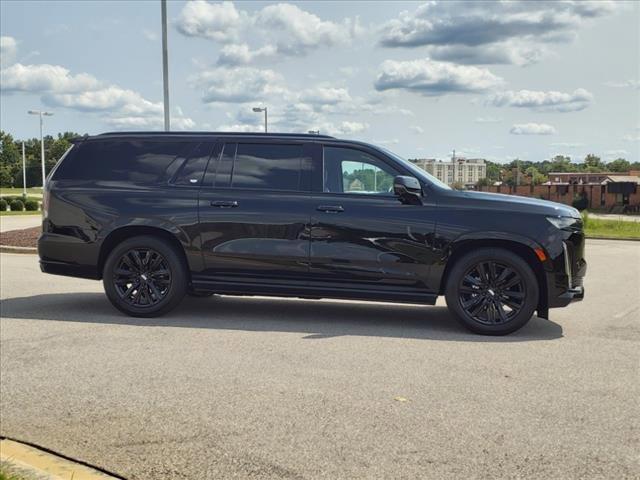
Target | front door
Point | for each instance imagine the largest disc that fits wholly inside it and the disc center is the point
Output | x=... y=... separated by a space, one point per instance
x=362 y=235
x=254 y=214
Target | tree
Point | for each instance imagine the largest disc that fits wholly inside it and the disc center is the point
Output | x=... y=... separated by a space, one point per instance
x=484 y=182
x=537 y=178
x=619 y=165
x=593 y=163
x=10 y=159
x=561 y=163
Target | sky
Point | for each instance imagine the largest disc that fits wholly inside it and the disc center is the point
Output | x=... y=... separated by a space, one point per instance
x=494 y=80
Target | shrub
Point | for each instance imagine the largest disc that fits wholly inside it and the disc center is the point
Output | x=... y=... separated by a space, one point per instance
x=580 y=202
x=3 y=205
x=16 y=205
x=31 y=205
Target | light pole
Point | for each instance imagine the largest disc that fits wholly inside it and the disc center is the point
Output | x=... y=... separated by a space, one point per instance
x=24 y=174
x=258 y=110
x=165 y=64
x=40 y=113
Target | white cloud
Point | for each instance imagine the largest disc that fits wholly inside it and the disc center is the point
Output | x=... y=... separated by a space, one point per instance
x=392 y=141
x=220 y=22
x=241 y=54
x=568 y=144
x=110 y=98
x=487 y=120
x=434 y=78
x=238 y=84
x=624 y=84
x=325 y=95
x=532 y=129
x=616 y=153
x=8 y=49
x=416 y=129
x=490 y=32
x=150 y=35
x=631 y=137
x=343 y=128
x=282 y=30
x=43 y=78
x=579 y=99
x=297 y=31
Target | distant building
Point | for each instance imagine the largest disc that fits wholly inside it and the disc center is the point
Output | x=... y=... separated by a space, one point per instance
x=466 y=171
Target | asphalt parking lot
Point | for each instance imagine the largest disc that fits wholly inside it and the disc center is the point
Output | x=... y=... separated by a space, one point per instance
x=273 y=388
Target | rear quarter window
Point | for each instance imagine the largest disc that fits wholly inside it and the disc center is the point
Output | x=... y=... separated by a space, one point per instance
x=129 y=161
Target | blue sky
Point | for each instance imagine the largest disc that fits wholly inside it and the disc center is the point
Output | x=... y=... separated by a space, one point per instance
x=497 y=80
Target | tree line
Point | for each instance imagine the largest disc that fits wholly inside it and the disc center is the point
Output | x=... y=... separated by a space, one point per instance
x=11 y=157
x=537 y=173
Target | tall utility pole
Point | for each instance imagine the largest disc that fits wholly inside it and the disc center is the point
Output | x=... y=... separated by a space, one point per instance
x=41 y=114
x=165 y=64
x=24 y=174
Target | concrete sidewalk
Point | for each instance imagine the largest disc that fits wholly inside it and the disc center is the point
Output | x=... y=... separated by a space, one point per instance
x=18 y=222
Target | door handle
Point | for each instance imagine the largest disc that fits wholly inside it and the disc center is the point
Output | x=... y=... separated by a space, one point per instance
x=330 y=208
x=224 y=203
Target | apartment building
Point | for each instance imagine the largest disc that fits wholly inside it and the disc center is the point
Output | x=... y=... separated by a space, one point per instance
x=466 y=171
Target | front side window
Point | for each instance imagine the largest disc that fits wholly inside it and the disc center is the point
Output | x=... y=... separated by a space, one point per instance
x=347 y=170
x=267 y=166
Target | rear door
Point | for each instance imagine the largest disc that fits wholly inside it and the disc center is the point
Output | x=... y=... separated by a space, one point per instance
x=254 y=211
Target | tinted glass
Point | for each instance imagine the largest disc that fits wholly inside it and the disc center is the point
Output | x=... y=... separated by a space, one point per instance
x=193 y=169
x=348 y=170
x=267 y=166
x=132 y=161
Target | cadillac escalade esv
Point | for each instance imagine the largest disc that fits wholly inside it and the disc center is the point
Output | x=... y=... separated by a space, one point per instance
x=160 y=215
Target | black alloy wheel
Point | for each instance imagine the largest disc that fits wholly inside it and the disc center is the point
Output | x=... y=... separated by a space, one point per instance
x=142 y=277
x=491 y=292
x=145 y=276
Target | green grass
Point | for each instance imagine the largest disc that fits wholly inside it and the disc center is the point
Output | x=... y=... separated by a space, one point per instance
x=16 y=192
x=9 y=472
x=11 y=214
x=595 y=227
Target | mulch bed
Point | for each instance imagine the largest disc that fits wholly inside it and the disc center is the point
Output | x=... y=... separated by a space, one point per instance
x=27 y=237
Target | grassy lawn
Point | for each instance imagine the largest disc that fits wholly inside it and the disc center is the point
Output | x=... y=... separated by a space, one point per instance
x=595 y=227
x=11 y=214
x=16 y=192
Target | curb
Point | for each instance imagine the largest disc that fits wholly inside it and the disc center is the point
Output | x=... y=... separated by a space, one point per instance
x=12 y=249
x=41 y=463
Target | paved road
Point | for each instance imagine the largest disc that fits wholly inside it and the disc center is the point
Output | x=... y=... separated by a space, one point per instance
x=18 y=222
x=271 y=388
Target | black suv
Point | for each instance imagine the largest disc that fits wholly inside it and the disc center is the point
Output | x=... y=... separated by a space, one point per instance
x=160 y=215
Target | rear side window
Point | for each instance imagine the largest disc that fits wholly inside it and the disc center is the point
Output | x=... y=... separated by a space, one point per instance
x=131 y=161
x=192 y=170
x=267 y=166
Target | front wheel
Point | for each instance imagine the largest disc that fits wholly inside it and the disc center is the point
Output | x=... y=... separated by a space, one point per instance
x=492 y=291
x=145 y=277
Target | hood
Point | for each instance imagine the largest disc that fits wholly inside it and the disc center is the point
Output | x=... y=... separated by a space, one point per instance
x=520 y=204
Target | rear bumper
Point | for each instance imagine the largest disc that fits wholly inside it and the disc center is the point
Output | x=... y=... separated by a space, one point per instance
x=68 y=256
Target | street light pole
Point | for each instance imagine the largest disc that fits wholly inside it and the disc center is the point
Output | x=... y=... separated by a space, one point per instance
x=40 y=113
x=165 y=64
x=258 y=110
x=24 y=174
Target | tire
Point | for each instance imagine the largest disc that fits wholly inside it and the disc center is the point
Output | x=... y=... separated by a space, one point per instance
x=492 y=291
x=150 y=263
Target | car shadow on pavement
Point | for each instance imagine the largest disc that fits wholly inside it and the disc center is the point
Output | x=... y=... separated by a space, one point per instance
x=314 y=319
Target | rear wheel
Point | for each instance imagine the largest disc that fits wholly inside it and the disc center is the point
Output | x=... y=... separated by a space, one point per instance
x=145 y=277
x=492 y=291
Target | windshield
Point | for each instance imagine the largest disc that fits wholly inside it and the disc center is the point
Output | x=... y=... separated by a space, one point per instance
x=418 y=172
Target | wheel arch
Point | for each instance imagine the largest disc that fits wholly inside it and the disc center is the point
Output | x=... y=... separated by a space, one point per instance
x=118 y=235
x=522 y=247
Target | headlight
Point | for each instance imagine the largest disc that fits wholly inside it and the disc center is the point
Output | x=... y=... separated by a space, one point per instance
x=562 y=223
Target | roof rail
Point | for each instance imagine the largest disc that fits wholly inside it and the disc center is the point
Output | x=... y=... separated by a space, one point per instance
x=228 y=134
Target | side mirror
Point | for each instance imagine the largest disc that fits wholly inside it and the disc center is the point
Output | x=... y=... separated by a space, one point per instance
x=408 y=189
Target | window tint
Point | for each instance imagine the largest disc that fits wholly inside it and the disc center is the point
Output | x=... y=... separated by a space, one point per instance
x=193 y=169
x=132 y=161
x=267 y=166
x=348 y=170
